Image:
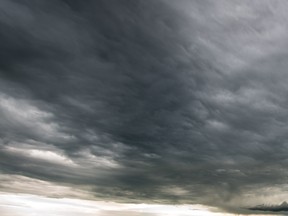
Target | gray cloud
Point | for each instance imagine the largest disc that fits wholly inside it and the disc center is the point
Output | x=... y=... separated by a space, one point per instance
x=275 y=208
x=146 y=101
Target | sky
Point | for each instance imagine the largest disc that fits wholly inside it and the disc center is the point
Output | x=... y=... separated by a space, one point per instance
x=143 y=107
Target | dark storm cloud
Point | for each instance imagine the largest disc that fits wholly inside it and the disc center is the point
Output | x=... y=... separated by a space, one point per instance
x=278 y=208
x=145 y=100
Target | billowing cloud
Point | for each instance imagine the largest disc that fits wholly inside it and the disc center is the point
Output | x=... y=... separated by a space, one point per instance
x=145 y=101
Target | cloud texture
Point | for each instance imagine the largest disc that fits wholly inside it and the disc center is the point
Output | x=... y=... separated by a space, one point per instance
x=179 y=102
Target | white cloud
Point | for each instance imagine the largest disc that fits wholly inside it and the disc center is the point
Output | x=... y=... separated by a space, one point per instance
x=26 y=185
x=44 y=155
x=19 y=115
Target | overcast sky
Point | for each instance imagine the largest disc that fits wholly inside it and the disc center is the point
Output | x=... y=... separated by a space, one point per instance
x=143 y=104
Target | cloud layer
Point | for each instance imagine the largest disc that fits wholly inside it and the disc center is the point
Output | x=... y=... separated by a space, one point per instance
x=146 y=101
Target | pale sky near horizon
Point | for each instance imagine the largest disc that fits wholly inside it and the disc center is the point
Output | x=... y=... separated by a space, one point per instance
x=34 y=205
x=158 y=107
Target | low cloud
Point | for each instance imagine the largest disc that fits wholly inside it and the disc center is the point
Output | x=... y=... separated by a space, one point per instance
x=272 y=208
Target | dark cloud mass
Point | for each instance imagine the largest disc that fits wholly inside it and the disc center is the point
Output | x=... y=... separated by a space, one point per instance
x=154 y=101
x=278 y=208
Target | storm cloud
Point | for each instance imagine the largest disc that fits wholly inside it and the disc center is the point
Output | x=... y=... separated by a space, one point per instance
x=278 y=208
x=154 y=101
